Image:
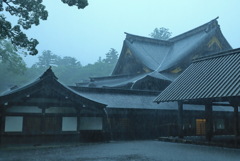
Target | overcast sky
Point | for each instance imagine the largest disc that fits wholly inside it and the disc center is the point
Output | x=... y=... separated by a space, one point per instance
x=90 y=33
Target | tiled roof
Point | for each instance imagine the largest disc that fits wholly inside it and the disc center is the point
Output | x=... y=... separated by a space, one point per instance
x=214 y=77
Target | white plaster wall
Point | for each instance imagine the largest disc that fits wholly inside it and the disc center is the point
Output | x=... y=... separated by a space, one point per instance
x=13 y=124
x=69 y=124
x=91 y=123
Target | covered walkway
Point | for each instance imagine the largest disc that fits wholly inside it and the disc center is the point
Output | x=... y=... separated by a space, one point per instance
x=209 y=81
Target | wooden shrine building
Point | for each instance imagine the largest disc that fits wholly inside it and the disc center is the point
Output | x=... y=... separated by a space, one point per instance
x=152 y=64
x=119 y=106
x=47 y=110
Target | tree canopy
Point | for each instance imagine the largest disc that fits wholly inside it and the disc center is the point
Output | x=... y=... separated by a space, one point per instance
x=111 y=57
x=29 y=12
x=10 y=58
x=68 y=69
x=161 y=33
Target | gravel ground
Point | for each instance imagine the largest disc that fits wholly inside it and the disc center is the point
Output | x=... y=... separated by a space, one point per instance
x=120 y=151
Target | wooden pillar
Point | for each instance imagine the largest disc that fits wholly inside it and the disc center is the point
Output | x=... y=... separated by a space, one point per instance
x=209 y=122
x=236 y=121
x=180 y=119
x=42 y=126
x=236 y=126
x=106 y=126
x=2 y=122
x=78 y=123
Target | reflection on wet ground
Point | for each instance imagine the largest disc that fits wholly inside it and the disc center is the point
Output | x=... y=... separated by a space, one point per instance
x=120 y=151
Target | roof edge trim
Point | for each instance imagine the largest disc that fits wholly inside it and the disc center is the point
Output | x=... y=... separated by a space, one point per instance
x=207 y=27
x=217 y=54
x=131 y=38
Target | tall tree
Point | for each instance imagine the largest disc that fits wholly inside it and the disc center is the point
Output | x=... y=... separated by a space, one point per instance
x=10 y=58
x=69 y=62
x=48 y=59
x=161 y=33
x=111 y=57
x=29 y=12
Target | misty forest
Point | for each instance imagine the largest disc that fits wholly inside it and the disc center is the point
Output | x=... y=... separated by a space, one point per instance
x=68 y=69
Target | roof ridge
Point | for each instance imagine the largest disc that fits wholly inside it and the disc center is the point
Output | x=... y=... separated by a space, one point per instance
x=112 y=77
x=48 y=74
x=113 y=90
x=218 y=54
x=132 y=38
x=207 y=27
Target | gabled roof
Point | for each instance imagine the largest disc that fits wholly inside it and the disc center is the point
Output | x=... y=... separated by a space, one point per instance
x=47 y=81
x=144 y=58
x=162 y=55
x=189 y=44
x=215 y=78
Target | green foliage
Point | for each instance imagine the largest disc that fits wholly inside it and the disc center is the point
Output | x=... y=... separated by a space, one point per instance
x=10 y=58
x=47 y=59
x=29 y=12
x=79 y=3
x=68 y=61
x=68 y=70
x=111 y=57
x=161 y=33
x=10 y=78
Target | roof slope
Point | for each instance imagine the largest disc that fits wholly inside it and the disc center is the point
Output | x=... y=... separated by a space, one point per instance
x=151 y=52
x=144 y=59
x=133 y=99
x=212 y=77
x=162 y=55
x=122 y=81
x=46 y=82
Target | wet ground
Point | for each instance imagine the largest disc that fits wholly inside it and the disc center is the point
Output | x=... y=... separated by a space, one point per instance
x=120 y=151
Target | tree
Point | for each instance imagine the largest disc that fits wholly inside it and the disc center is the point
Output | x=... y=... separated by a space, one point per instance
x=79 y=3
x=161 y=33
x=10 y=58
x=69 y=62
x=48 y=59
x=29 y=12
x=111 y=57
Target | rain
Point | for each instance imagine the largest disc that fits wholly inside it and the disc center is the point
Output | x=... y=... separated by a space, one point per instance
x=113 y=81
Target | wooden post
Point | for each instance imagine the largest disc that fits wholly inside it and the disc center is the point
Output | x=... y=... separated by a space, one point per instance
x=236 y=127
x=236 y=119
x=2 y=122
x=78 y=123
x=209 y=122
x=180 y=120
x=42 y=126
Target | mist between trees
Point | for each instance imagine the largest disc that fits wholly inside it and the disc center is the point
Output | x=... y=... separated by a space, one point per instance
x=68 y=69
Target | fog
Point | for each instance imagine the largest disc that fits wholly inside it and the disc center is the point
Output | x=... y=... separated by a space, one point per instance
x=89 y=33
